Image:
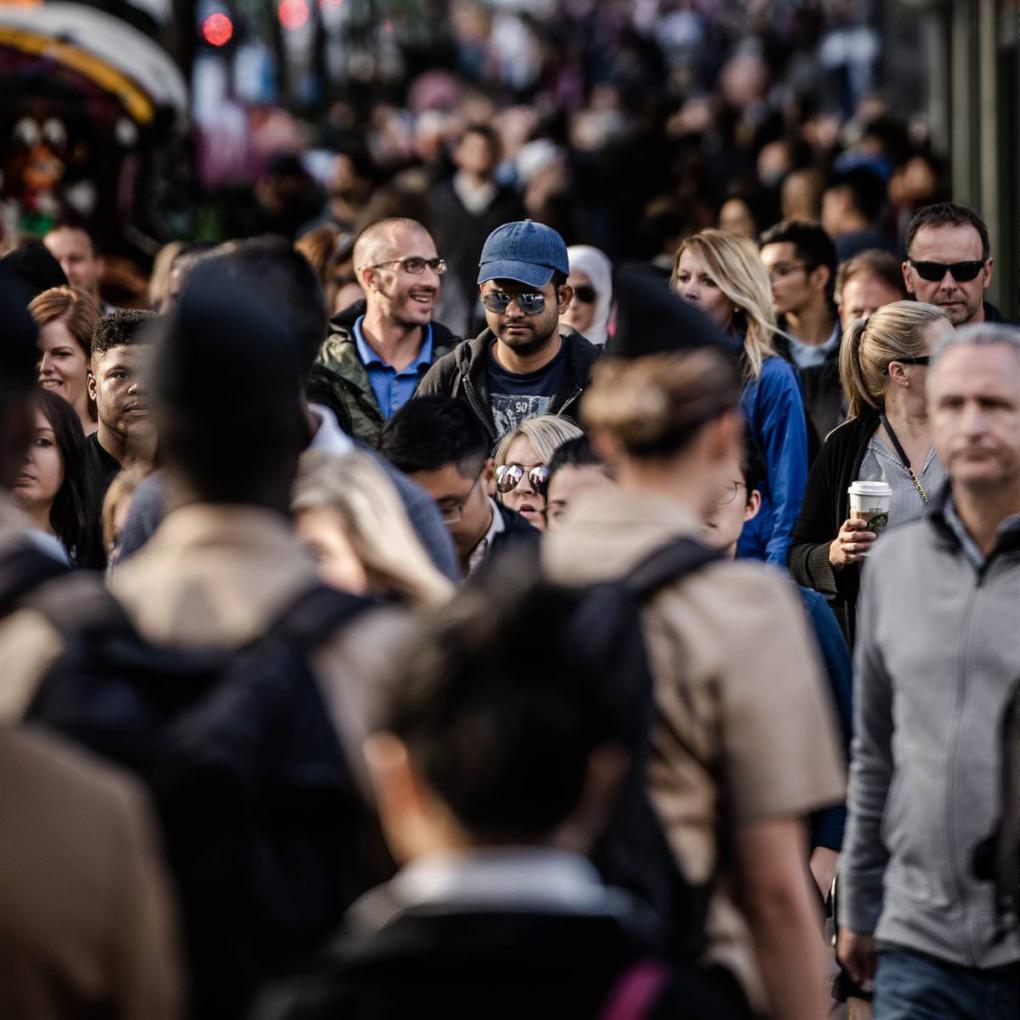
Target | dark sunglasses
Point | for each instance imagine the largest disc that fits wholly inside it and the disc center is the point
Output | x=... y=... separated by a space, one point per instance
x=921 y=359
x=586 y=295
x=529 y=302
x=934 y=272
x=509 y=476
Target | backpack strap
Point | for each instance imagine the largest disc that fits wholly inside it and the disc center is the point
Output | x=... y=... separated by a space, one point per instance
x=81 y=606
x=315 y=614
x=637 y=992
x=23 y=568
x=667 y=563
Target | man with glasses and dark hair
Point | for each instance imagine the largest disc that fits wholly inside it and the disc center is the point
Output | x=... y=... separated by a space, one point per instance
x=380 y=348
x=525 y=363
x=949 y=262
x=801 y=262
x=440 y=444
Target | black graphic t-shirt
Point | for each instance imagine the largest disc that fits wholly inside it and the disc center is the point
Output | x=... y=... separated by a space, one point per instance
x=518 y=397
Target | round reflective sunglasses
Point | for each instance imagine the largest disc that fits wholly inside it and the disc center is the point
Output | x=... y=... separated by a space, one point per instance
x=528 y=302
x=509 y=476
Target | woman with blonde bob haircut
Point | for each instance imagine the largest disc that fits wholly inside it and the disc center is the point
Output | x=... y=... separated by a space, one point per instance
x=887 y=437
x=740 y=717
x=721 y=274
x=351 y=518
x=522 y=459
x=66 y=318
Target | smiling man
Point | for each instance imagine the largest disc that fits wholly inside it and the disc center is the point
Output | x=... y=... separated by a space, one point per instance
x=525 y=363
x=949 y=262
x=379 y=349
x=125 y=435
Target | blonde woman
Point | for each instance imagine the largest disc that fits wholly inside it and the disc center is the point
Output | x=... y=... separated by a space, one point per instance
x=521 y=461
x=721 y=274
x=883 y=365
x=350 y=517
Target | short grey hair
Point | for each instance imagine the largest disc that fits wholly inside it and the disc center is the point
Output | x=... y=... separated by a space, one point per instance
x=980 y=334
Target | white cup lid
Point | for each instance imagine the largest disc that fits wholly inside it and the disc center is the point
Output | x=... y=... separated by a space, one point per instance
x=860 y=488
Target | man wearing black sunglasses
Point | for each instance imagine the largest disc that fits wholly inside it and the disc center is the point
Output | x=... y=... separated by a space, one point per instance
x=525 y=363
x=949 y=262
x=379 y=349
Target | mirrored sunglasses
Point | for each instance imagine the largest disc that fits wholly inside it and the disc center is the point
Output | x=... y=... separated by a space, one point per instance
x=509 y=476
x=529 y=302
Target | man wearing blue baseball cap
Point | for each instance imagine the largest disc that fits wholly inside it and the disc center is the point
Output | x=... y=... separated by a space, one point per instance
x=525 y=363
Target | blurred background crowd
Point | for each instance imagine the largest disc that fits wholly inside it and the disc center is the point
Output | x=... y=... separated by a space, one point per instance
x=624 y=124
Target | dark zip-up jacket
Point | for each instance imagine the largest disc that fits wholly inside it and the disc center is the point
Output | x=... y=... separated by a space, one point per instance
x=826 y=506
x=937 y=659
x=339 y=378
x=464 y=373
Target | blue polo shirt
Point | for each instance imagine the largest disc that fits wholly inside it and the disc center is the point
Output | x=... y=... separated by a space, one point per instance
x=392 y=389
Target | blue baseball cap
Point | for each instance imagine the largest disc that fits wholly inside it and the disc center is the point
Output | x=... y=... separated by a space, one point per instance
x=524 y=251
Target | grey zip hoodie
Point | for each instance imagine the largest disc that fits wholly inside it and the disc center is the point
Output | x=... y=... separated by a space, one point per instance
x=937 y=658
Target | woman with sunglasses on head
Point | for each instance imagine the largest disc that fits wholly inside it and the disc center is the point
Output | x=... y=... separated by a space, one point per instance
x=591 y=306
x=723 y=275
x=886 y=437
x=50 y=487
x=66 y=318
x=521 y=458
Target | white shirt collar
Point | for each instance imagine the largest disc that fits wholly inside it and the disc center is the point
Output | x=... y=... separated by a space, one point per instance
x=329 y=437
x=481 y=551
x=511 y=876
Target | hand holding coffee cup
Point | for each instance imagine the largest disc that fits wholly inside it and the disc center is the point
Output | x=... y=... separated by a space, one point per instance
x=851 y=544
x=869 y=515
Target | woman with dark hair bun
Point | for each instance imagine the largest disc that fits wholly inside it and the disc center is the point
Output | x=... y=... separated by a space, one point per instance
x=50 y=487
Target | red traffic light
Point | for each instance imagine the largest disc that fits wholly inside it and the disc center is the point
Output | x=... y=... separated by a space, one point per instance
x=217 y=29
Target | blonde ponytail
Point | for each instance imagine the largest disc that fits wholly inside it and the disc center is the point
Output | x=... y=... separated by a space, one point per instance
x=896 y=330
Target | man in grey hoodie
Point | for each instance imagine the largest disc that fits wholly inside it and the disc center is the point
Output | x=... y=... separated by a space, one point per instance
x=938 y=665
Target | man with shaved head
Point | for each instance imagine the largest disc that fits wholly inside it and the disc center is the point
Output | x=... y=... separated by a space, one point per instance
x=380 y=348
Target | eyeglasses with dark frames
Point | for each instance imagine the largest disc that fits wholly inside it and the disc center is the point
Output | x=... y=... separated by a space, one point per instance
x=453 y=512
x=414 y=264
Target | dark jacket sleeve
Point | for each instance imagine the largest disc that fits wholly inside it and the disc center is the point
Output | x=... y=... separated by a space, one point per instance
x=145 y=514
x=439 y=380
x=424 y=516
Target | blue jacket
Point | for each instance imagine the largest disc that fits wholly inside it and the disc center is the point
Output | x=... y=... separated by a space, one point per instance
x=774 y=410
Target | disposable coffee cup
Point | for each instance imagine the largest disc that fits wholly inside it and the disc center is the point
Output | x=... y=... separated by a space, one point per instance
x=869 y=502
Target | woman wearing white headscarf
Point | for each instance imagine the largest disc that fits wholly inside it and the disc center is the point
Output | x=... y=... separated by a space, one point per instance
x=591 y=276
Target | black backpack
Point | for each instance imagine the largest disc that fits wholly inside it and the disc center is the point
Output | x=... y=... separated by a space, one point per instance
x=266 y=834
x=633 y=852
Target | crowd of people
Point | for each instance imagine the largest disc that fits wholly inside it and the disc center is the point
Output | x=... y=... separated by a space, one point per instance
x=360 y=661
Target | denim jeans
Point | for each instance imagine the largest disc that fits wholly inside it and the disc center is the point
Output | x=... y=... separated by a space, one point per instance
x=912 y=986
